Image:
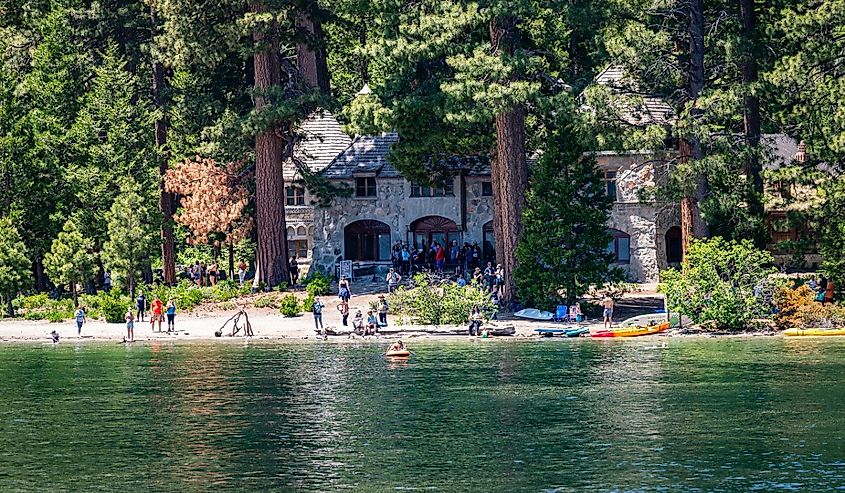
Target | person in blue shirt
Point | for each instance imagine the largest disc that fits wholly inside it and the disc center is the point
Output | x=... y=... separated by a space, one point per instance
x=80 y=319
x=461 y=281
x=171 y=315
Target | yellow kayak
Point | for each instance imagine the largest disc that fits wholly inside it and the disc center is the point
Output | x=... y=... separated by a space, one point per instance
x=814 y=332
x=630 y=331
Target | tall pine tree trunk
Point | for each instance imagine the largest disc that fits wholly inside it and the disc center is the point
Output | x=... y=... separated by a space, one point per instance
x=509 y=166
x=166 y=200
x=692 y=222
x=751 y=113
x=269 y=181
x=311 y=51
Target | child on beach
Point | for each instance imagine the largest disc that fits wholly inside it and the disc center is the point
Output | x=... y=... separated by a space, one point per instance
x=130 y=325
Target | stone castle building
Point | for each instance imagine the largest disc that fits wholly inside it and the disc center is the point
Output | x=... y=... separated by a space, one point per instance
x=383 y=207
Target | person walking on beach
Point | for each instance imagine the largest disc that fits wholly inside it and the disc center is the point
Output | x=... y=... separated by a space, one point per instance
x=157 y=309
x=141 y=305
x=130 y=325
x=171 y=316
x=382 y=310
x=343 y=308
x=317 y=309
x=393 y=279
x=242 y=272
x=80 y=319
x=343 y=291
x=607 y=303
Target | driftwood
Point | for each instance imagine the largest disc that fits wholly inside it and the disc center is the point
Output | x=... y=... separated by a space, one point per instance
x=236 y=325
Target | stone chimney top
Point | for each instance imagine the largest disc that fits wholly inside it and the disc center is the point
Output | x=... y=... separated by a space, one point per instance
x=801 y=155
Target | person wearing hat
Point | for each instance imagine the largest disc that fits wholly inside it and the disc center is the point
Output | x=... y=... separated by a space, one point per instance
x=382 y=310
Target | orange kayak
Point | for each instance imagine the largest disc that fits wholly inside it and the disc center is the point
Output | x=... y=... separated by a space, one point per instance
x=639 y=330
x=403 y=353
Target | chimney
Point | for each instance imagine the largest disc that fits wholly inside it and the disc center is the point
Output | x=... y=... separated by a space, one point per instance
x=801 y=155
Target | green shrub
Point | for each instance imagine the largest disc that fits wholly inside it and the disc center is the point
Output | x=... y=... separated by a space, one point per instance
x=308 y=303
x=113 y=306
x=318 y=283
x=289 y=305
x=35 y=301
x=267 y=301
x=57 y=316
x=428 y=304
x=225 y=290
x=282 y=287
x=721 y=282
x=186 y=294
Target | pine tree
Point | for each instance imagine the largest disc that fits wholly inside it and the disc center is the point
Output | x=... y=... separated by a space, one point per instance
x=563 y=250
x=460 y=79
x=70 y=259
x=128 y=235
x=14 y=264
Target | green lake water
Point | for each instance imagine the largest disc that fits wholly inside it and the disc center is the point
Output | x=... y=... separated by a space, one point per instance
x=701 y=415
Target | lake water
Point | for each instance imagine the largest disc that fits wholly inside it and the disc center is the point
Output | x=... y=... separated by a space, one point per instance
x=565 y=415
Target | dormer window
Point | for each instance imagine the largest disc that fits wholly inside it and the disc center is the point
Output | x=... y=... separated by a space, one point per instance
x=294 y=196
x=365 y=187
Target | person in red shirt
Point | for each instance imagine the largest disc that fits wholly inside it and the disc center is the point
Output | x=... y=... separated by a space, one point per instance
x=158 y=314
x=439 y=257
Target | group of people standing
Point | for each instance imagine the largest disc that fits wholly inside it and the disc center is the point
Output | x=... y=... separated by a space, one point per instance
x=203 y=275
x=409 y=259
x=375 y=318
x=157 y=310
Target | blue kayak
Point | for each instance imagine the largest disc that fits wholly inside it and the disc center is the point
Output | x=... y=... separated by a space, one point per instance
x=549 y=332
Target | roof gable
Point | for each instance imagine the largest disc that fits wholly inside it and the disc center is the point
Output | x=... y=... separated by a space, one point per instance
x=322 y=139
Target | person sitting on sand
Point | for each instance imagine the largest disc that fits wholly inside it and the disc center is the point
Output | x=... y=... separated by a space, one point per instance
x=475 y=319
x=358 y=322
x=54 y=336
x=372 y=324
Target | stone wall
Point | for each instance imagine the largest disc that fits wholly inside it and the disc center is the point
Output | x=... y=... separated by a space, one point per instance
x=394 y=206
x=646 y=223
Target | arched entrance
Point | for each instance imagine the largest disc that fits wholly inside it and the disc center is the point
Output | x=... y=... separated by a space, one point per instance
x=674 y=246
x=367 y=240
x=432 y=229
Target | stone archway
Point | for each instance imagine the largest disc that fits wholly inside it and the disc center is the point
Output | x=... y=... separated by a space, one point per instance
x=674 y=245
x=367 y=240
x=430 y=229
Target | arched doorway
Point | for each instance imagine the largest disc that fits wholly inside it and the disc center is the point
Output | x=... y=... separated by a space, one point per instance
x=432 y=229
x=489 y=246
x=367 y=240
x=674 y=245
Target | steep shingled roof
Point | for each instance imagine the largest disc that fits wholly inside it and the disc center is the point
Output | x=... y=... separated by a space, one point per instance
x=366 y=154
x=641 y=109
x=322 y=140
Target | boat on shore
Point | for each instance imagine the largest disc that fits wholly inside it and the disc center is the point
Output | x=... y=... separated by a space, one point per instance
x=633 y=331
x=814 y=332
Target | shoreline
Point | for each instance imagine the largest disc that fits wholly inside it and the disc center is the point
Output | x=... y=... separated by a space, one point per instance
x=268 y=326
